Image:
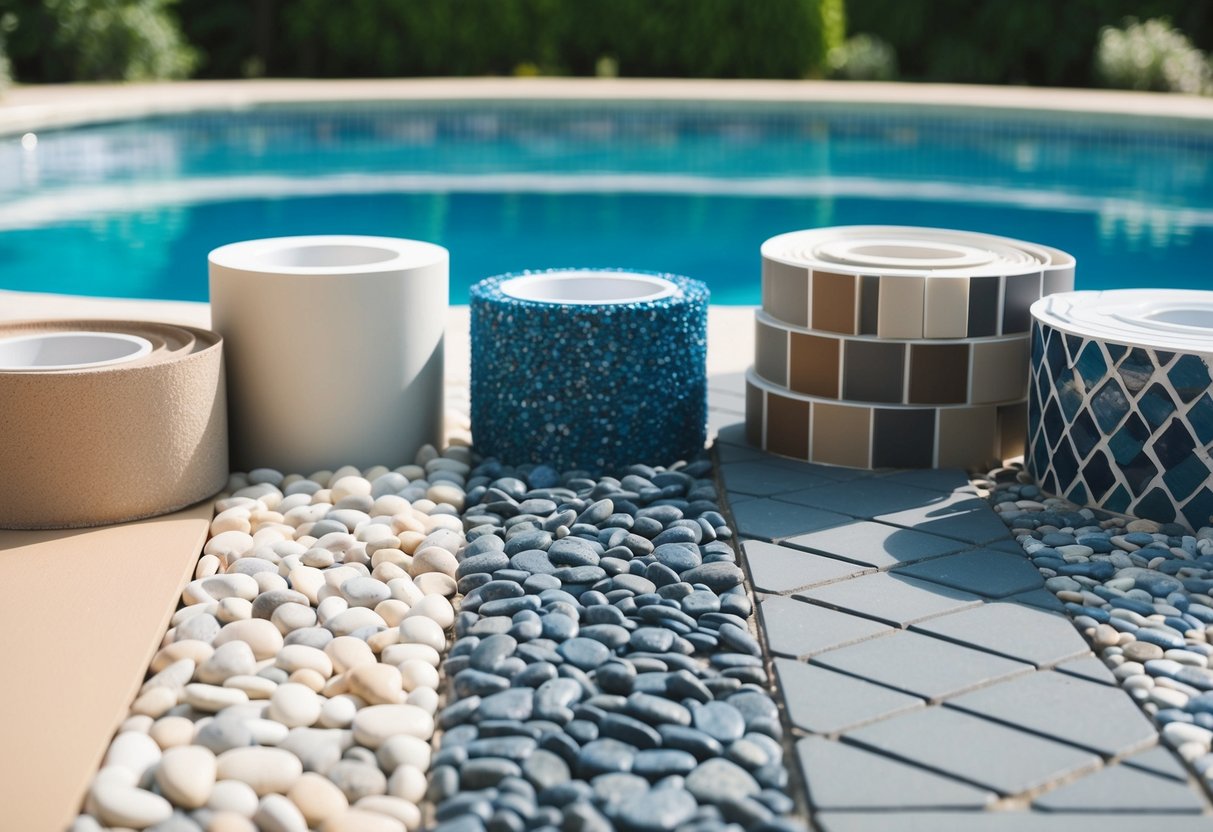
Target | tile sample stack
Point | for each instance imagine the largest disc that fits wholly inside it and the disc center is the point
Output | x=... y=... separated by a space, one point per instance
x=886 y=346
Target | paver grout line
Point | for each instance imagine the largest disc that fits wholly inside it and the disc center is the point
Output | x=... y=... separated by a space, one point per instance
x=896 y=626
x=932 y=701
x=1112 y=759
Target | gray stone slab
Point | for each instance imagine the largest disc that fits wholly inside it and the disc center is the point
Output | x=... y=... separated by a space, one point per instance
x=1090 y=668
x=776 y=568
x=734 y=435
x=875 y=544
x=762 y=479
x=921 y=665
x=980 y=571
x=843 y=776
x=960 y=516
x=973 y=749
x=1159 y=760
x=933 y=479
x=836 y=473
x=1093 y=716
x=821 y=701
x=894 y=599
x=1010 y=545
x=1013 y=630
x=769 y=519
x=1006 y=822
x=798 y=629
x=1122 y=789
x=864 y=497
x=1039 y=598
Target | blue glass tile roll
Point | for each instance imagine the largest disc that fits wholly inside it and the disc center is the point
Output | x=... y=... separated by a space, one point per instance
x=1120 y=405
x=591 y=369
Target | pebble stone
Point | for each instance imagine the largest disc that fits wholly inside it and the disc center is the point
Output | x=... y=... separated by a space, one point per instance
x=319 y=600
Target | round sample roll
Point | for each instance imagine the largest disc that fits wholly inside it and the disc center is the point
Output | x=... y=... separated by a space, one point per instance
x=589 y=369
x=880 y=436
x=108 y=421
x=1120 y=405
x=908 y=283
x=862 y=368
x=334 y=349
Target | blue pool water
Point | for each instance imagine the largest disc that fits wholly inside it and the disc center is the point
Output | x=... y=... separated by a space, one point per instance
x=131 y=209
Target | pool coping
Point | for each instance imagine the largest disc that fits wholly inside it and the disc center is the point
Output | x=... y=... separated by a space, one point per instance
x=26 y=108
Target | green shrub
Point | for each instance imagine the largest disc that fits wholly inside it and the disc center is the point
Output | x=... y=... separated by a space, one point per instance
x=1151 y=56
x=98 y=40
x=863 y=58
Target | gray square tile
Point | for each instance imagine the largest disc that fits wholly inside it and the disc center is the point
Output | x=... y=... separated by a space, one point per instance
x=1039 y=598
x=980 y=571
x=1093 y=716
x=769 y=519
x=1122 y=789
x=1159 y=760
x=976 y=750
x=961 y=516
x=797 y=628
x=875 y=544
x=1088 y=667
x=921 y=665
x=933 y=479
x=837 y=473
x=842 y=776
x=776 y=568
x=864 y=497
x=1012 y=630
x=821 y=701
x=734 y=435
x=762 y=479
x=893 y=599
x=1010 y=545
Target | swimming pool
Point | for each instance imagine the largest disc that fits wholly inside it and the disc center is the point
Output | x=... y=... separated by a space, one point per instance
x=130 y=209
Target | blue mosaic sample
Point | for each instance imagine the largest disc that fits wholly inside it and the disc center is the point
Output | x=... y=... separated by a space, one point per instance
x=591 y=387
x=1127 y=429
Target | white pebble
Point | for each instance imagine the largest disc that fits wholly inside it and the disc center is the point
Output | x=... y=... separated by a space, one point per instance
x=375 y=723
x=294 y=705
x=266 y=770
x=186 y=775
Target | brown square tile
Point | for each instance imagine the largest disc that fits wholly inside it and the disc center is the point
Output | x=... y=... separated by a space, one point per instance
x=939 y=373
x=754 y=416
x=1013 y=429
x=901 y=307
x=834 y=302
x=947 y=308
x=771 y=353
x=787 y=426
x=813 y=365
x=1000 y=371
x=842 y=435
x=785 y=292
x=874 y=371
x=968 y=437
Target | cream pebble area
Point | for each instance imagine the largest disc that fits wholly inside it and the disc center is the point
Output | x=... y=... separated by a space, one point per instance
x=297 y=685
x=108 y=421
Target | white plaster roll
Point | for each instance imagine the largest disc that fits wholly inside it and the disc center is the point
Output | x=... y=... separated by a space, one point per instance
x=334 y=347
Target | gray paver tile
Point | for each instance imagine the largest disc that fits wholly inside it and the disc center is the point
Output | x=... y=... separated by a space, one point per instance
x=1119 y=788
x=773 y=520
x=1090 y=668
x=933 y=479
x=1101 y=718
x=893 y=599
x=797 y=628
x=864 y=497
x=836 y=473
x=1010 y=545
x=980 y=571
x=875 y=544
x=1006 y=822
x=842 y=776
x=1159 y=760
x=824 y=702
x=921 y=665
x=974 y=749
x=734 y=435
x=777 y=568
x=762 y=479
x=961 y=516
x=1039 y=598
x=1012 y=630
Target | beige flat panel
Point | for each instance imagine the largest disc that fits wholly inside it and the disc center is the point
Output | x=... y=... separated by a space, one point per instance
x=968 y=437
x=947 y=309
x=901 y=307
x=785 y=292
x=82 y=613
x=1000 y=371
x=842 y=435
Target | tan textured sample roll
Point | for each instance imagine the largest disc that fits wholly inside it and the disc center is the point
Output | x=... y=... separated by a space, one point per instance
x=108 y=421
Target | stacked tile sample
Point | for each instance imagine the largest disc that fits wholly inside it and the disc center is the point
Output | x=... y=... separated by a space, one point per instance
x=896 y=347
x=1120 y=411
